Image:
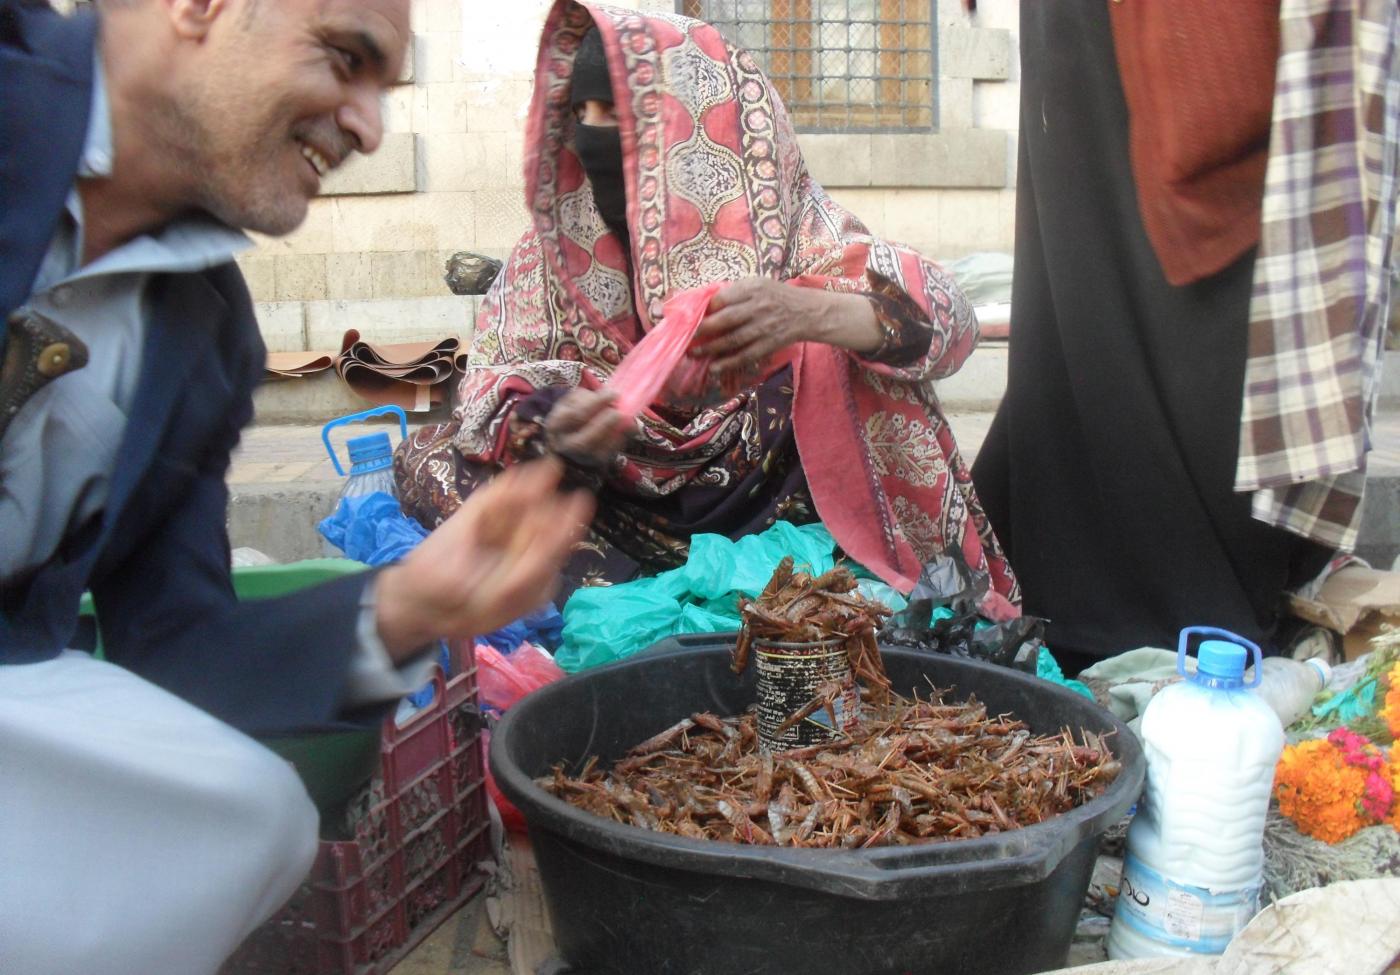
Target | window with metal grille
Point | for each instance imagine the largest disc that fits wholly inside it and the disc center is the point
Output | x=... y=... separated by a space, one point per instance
x=840 y=65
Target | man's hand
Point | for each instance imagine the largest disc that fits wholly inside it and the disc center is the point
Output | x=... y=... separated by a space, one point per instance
x=751 y=319
x=585 y=428
x=494 y=560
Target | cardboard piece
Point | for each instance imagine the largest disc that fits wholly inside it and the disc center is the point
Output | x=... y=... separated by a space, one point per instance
x=518 y=912
x=413 y=375
x=1354 y=601
x=294 y=365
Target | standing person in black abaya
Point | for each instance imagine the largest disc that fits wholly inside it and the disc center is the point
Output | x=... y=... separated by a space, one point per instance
x=1115 y=472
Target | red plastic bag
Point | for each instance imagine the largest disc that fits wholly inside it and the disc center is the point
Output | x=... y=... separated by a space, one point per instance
x=502 y=681
x=650 y=366
x=511 y=818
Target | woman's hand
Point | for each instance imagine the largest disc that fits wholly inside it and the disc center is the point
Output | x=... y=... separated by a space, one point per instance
x=751 y=319
x=585 y=428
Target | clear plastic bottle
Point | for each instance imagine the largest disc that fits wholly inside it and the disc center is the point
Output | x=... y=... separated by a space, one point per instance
x=371 y=464
x=1289 y=686
x=371 y=470
x=1195 y=854
x=371 y=467
x=371 y=456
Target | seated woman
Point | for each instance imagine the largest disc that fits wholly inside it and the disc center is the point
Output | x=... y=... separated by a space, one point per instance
x=659 y=158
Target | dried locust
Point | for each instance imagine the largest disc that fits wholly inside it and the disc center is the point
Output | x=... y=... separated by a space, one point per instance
x=916 y=771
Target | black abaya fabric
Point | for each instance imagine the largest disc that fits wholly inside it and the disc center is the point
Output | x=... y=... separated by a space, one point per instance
x=1108 y=471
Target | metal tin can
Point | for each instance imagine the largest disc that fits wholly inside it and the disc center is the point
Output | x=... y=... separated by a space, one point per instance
x=790 y=677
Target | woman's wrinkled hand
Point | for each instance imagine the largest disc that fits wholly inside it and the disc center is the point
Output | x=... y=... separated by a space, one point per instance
x=751 y=319
x=586 y=428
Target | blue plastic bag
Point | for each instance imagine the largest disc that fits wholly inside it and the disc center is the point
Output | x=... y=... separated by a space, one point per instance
x=371 y=529
x=544 y=628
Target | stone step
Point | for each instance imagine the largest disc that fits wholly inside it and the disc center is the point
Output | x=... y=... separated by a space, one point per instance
x=323 y=396
x=320 y=326
x=282 y=482
x=979 y=385
x=315 y=400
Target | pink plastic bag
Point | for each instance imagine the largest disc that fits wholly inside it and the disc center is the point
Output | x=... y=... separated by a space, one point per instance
x=650 y=366
x=502 y=681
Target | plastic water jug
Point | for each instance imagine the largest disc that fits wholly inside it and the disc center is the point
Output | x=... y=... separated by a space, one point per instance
x=1195 y=854
x=371 y=462
x=371 y=456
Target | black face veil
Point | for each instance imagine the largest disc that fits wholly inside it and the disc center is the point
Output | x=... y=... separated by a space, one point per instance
x=599 y=147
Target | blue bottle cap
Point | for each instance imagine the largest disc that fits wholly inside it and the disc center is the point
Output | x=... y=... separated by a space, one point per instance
x=1221 y=660
x=371 y=452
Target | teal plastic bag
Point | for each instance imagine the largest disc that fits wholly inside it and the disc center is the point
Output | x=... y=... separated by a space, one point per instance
x=1358 y=701
x=756 y=556
x=881 y=593
x=1048 y=668
x=599 y=621
x=608 y=623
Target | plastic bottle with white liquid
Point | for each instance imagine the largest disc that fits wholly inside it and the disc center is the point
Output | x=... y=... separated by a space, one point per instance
x=1195 y=854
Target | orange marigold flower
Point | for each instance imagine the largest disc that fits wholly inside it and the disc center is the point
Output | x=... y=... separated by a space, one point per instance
x=1320 y=792
x=1394 y=771
x=1390 y=711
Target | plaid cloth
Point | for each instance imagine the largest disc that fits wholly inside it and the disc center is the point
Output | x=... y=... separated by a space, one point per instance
x=1322 y=275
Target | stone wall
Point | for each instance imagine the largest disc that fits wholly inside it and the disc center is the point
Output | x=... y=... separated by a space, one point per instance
x=448 y=176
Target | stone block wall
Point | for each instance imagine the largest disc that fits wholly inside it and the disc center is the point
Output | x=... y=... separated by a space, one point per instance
x=448 y=176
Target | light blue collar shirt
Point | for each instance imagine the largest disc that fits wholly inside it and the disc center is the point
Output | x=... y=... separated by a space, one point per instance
x=58 y=455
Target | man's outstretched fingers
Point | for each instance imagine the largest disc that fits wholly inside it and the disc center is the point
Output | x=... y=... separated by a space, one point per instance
x=539 y=544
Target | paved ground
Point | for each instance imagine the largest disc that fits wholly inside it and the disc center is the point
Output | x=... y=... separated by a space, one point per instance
x=1384 y=459
x=464 y=945
x=283 y=483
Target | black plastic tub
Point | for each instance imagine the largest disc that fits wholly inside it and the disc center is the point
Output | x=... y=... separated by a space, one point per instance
x=635 y=902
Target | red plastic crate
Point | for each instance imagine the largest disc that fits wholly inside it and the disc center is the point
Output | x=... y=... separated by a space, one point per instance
x=421 y=835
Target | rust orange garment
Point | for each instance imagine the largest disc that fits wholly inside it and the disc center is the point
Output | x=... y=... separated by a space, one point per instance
x=1198 y=77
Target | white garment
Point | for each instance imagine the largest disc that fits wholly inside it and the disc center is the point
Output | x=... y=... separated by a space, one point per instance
x=138 y=835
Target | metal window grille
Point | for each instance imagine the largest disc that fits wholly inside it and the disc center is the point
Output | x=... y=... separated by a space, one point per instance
x=840 y=65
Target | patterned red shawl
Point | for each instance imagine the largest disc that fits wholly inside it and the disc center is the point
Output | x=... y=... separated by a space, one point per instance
x=717 y=190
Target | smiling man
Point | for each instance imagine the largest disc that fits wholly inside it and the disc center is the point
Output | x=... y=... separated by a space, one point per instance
x=141 y=829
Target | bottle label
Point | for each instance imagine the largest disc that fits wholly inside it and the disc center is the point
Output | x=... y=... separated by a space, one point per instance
x=1180 y=915
x=789 y=680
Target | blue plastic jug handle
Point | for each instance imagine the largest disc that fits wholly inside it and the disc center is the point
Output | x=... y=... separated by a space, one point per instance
x=1224 y=635
x=357 y=418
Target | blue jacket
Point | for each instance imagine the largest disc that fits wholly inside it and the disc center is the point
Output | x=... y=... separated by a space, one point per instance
x=157 y=559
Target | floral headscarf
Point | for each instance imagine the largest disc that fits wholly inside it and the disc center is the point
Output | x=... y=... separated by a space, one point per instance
x=718 y=191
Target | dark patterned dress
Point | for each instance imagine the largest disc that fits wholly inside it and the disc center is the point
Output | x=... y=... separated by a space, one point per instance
x=756 y=481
